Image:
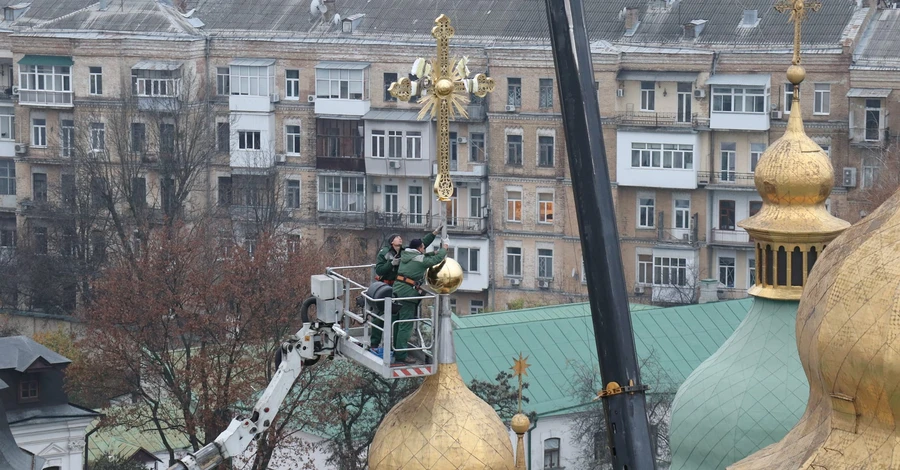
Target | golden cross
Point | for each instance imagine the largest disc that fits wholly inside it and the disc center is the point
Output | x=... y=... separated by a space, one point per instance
x=520 y=369
x=446 y=92
x=799 y=9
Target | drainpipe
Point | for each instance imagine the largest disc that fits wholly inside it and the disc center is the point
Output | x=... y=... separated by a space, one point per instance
x=87 y=436
x=533 y=425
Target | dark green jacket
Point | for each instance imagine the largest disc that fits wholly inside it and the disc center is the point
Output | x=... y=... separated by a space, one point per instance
x=384 y=268
x=413 y=265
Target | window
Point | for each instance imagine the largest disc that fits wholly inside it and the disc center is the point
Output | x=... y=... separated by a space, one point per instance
x=468 y=259
x=8 y=234
x=514 y=261
x=788 y=97
x=726 y=271
x=648 y=96
x=551 y=453
x=756 y=151
x=682 y=213
x=869 y=172
x=726 y=215
x=645 y=269
x=138 y=192
x=822 y=101
x=755 y=207
x=7 y=124
x=223 y=136
x=389 y=78
x=545 y=263
x=28 y=389
x=293 y=194
x=678 y=156
x=67 y=137
x=391 y=199
x=415 y=205
x=514 y=206
x=252 y=80
x=452 y=209
x=292 y=84
x=98 y=136
x=167 y=139
x=545 y=150
x=225 y=191
x=545 y=208
x=453 y=305
x=873 y=120
x=39 y=187
x=96 y=80
x=378 y=144
x=67 y=188
x=223 y=81
x=7 y=177
x=739 y=100
x=167 y=195
x=249 y=140
x=669 y=271
x=341 y=84
x=475 y=203
x=514 y=92
x=476 y=306
x=342 y=193
x=728 y=161
x=751 y=274
x=39 y=132
x=40 y=240
x=395 y=144
x=413 y=144
x=545 y=98
x=476 y=147
x=292 y=133
x=513 y=149
x=52 y=78
x=155 y=82
x=138 y=137
x=646 y=211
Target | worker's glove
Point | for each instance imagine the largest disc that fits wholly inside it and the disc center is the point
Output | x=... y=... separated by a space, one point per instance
x=396 y=261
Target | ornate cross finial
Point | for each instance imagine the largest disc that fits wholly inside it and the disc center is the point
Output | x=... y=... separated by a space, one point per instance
x=520 y=369
x=445 y=93
x=799 y=9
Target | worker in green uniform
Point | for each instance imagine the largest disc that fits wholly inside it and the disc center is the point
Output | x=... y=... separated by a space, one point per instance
x=386 y=266
x=413 y=263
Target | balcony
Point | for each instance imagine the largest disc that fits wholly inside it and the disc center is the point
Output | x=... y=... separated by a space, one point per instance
x=870 y=136
x=738 y=238
x=341 y=164
x=648 y=119
x=726 y=178
x=352 y=220
x=48 y=98
x=677 y=236
x=397 y=221
x=470 y=225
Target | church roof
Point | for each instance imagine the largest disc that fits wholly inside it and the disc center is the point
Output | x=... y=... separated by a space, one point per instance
x=557 y=338
x=20 y=352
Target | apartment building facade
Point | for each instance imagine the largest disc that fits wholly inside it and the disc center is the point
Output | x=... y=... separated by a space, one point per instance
x=304 y=109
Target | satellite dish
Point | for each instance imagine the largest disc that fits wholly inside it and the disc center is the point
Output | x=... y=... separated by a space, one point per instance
x=317 y=7
x=336 y=19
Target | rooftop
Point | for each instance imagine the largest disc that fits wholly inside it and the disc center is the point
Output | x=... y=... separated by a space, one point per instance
x=20 y=352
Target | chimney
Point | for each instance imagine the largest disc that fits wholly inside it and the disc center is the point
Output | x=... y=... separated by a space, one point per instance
x=181 y=5
x=709 y=291
x=631 y=18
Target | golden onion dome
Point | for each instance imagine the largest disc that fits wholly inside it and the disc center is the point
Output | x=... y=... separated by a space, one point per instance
x=443 y=425
x=444 y=277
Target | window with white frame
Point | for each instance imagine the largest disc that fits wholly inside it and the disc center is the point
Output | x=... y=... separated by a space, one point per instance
x=39 y=132
x=513 y=206
x=726 y=271
x=251 y=80
x=728 y=158
x=514 y=261
x=343 y=84
x=545 y=263
x=468 y=259
x=67 y=137
x=378 y=144
x=292 y=84
x=7 y=177
x=646 y=211
x=292 y=188
x=476 y=147
x=7 y=124
x=98 y=136
x=788 y=97
x=249 y=140
x=545 y=208
x=645 y=269
x=822 y=98
x=95 y=80
x=676 y=156
x=223 y=81
x=39 y=187
x=514 y=92
x=669 y=271
x=415 y=205
x=739 y=100
x=648 y=96
x=545 y=150
x=395 y=144
x=545 y=90
x=453 y=305
x=342 y=193
x=155 y=82
x=475 y=203
x=869 y=172
x=751 y=272
x=52 y=78
x=682 y=213
x=476 y=307
x=292 y=134
x=514 y=149
x=414 y=144
x=756 y=151
x=391 y=199
x=551 y=453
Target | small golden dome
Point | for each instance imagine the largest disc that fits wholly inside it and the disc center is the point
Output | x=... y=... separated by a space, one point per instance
x=443 y=425
x=520 y=423
x=444 y=277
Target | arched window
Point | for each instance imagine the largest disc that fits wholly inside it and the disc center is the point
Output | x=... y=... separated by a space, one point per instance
x=551 y=453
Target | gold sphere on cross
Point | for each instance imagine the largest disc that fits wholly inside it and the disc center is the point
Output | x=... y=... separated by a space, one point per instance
x=520 y=423
x=796 y=74
x=443 y=87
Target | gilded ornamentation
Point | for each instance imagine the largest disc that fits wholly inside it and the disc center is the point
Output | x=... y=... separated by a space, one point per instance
x=444 y=277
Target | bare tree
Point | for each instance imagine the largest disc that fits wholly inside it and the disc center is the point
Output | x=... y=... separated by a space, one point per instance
x=879 y=179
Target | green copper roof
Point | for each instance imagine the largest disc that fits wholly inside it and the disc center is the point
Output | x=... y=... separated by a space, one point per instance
x=747 y=395
x=553 y=338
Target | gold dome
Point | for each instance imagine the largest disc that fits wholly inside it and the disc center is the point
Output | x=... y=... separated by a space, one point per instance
x=443 y=425
x=444 y=277
x=847 y=332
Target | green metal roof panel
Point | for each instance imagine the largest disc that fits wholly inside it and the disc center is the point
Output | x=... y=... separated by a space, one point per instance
x=46 y=60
